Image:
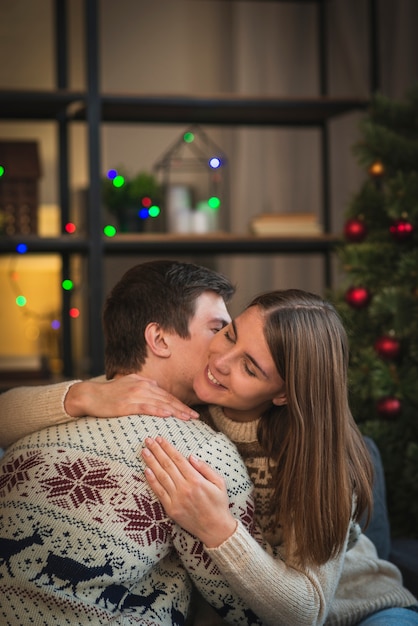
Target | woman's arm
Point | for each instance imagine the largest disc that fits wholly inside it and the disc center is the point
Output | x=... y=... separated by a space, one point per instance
x=126 y=395
x=279 y=593
x=24 y=410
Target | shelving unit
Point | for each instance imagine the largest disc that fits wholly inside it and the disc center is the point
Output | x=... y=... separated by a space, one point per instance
x=66 y=106
x=150 y=244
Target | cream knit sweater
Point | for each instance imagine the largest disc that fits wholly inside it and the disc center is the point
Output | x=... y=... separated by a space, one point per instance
x=367 y=583
x=278 y=593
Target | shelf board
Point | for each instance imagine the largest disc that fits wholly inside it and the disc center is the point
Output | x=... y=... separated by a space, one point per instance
x=174 y=109
x=161 y=243
x=229 y=110
x=66 y=243
x=40 y=105
x=216 y=243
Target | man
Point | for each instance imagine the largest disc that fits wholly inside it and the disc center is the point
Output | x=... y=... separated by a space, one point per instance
x=82 y=538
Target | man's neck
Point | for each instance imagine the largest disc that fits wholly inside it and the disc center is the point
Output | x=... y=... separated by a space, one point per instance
x=162 y=372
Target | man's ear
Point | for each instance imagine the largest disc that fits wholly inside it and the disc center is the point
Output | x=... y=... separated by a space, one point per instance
x=280 y=399
x=155 y=338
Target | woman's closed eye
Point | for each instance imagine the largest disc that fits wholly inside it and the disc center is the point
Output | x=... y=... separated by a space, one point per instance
x=229 y=337
x=247 y=369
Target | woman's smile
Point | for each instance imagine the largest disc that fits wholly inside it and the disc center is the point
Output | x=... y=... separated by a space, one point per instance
x=212 y=378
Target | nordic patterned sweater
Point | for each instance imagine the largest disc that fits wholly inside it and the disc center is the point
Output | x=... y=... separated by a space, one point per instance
x=83 y=540
x=291 y=597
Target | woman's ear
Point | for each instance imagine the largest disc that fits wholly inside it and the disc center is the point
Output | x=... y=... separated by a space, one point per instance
x=280 y=399
x=155 y=338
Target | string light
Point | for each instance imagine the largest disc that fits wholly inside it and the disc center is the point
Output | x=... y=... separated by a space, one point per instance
x=21 y=301
x=109 y=230
x=154 y=211
x=21 y=248
x=74 y=312
x=67 y=284
x=118 y=181
x=214 y=203
x=70 y=228
x=188 y=137
x=2 y=171
x=214 y=163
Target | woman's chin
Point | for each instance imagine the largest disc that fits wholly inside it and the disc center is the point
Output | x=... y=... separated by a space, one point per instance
x=204 y=393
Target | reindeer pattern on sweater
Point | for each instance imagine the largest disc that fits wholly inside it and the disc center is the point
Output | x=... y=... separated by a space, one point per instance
x=84 y=540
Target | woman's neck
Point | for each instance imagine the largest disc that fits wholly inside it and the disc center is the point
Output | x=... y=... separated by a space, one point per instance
x=236 y=431
x=244 y=416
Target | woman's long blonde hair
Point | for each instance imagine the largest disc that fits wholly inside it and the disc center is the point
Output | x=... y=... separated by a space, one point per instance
x=319 y=456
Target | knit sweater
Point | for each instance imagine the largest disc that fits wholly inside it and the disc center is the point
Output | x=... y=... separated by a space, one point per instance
x=279 y=593
x=367 y=583
x=83 y=540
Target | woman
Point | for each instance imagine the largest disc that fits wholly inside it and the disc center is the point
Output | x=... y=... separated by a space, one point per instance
x=279 y=372
x=276 y=381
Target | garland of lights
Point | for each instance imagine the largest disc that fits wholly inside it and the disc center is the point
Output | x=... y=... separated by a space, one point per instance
x=147 y=209
x=21 y=300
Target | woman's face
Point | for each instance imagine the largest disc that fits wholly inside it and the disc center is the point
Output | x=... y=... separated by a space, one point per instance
x=240 y=375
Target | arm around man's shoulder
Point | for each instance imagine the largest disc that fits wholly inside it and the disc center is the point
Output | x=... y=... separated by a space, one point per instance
x=24 y=410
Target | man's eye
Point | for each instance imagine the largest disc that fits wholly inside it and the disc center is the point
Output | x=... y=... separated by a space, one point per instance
x=216 y=330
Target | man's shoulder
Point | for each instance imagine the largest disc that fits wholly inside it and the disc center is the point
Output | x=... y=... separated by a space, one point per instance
x=124 y=434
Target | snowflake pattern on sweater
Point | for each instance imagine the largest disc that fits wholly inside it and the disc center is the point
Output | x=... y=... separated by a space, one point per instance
x=84 y=540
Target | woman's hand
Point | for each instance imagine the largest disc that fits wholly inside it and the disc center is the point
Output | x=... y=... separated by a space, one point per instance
x=192 y=493
x=127 y=395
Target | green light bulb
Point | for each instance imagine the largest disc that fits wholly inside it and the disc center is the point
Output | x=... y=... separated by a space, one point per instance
x=109 y=230
x=118 y=181
x=67 y=284
x=214 y=203
x=154 y=211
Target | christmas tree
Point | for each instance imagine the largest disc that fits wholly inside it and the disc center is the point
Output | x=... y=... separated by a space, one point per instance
x=379 y=298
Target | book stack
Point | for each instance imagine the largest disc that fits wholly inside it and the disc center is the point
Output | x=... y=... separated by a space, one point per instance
x=301 y=224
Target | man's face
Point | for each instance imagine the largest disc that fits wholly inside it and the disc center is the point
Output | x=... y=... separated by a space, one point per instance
x=189 y=356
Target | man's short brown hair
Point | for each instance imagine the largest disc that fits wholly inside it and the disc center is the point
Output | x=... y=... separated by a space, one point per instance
x=160 y=291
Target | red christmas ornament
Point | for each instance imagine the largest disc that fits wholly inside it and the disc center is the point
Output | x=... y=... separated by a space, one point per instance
x=357 y=297
x=355 y=230
x=401 y=229
x=389 y=407
x=387 y=347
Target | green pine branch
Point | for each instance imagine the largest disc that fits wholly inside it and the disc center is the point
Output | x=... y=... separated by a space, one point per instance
x=386 y=263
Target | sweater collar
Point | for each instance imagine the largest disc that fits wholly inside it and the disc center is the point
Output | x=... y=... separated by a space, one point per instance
x=238 y=432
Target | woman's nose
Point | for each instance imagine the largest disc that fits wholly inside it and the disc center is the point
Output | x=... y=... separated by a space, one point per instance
x=222 y=361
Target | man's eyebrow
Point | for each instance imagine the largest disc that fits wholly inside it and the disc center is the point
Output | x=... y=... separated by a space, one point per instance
x=219 y=320
x=249 y=357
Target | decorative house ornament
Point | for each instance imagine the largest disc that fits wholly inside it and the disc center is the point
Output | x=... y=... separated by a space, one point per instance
x=19 y=197
x=193 y=175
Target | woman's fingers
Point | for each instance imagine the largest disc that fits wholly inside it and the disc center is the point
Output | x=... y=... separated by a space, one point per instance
x=206 y=471
x=193 y=495
x=164 y=475
x=126 y=395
